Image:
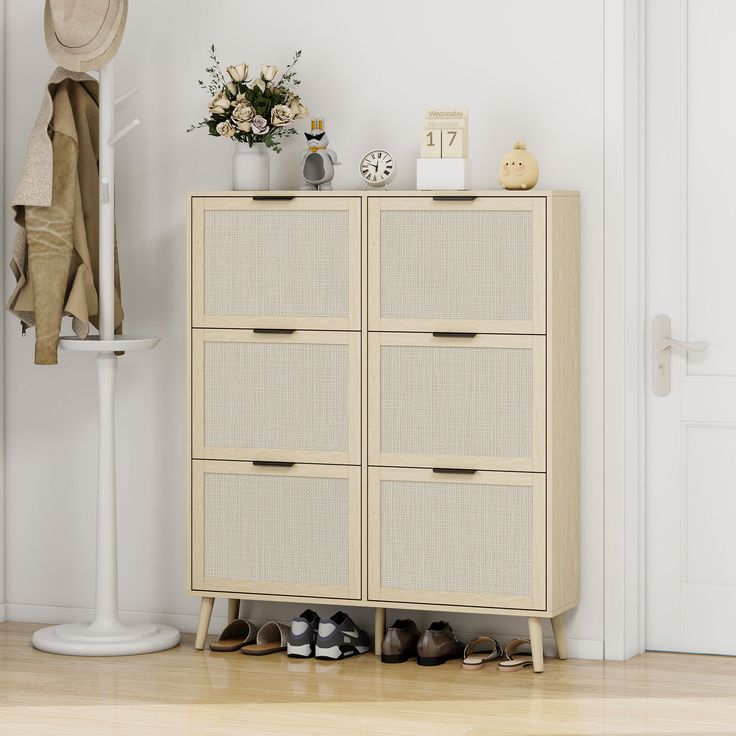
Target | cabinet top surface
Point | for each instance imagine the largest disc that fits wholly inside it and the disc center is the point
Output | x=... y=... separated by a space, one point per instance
x=390 y=193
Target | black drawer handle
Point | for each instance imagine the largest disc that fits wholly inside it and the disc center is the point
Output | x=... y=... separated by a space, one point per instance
x=272 y=198
x=454 y=198
x=272 y=331
x=459 y=471
x=273 y=463
x=454 y=334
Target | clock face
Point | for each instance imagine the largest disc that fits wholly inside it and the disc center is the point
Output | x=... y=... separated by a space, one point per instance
x=377 y=167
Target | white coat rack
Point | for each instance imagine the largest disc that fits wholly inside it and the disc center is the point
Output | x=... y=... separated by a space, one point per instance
x=105 y=635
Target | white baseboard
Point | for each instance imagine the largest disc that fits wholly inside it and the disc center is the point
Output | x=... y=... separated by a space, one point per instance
x=187 y=623
x=578 y=648
x=31 y=613
x=2 y=612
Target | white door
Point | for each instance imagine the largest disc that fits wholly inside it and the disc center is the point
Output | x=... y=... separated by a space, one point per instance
x=691 y=277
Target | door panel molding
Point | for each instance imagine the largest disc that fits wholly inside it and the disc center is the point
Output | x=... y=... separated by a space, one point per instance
x=693 y=507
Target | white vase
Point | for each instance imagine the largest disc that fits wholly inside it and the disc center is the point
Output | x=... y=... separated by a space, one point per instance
x=251 y=167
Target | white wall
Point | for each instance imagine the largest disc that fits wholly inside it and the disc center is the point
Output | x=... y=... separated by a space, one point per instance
x=530 y=70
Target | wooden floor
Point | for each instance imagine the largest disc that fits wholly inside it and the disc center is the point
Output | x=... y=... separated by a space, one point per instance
x=200 y=693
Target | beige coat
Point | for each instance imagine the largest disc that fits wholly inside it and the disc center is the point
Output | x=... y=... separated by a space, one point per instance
x=55 y=253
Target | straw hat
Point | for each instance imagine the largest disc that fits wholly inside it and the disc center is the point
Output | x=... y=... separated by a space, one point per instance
x=84 y=34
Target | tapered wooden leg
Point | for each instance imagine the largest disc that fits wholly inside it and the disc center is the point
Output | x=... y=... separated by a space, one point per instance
x=205 y=614
x=379 y=629
x=233 y=609
x=537 y=641
x=558 y=629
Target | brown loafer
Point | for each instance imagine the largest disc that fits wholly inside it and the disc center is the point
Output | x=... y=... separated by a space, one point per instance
x=438 y=644
x=400 y=641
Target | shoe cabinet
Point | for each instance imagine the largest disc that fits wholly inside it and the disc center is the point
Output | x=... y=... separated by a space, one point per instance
x=383 y=402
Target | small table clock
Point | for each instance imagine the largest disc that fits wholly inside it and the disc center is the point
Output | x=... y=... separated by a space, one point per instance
x=377 y=168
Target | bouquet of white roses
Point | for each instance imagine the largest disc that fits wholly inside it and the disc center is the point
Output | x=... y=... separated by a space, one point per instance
x=257 y=110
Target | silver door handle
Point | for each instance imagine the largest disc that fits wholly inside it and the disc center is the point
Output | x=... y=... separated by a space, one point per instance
x=668 y=342
x=662 y=353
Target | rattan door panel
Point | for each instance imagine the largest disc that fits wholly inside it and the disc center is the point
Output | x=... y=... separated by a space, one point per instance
x=276 y=263
x=457 y=402
x=451 y=539
x=286 y=397
x=464 y=266
x=275 y=530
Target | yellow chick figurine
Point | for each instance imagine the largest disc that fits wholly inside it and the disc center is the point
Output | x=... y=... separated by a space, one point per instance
x=519 y=169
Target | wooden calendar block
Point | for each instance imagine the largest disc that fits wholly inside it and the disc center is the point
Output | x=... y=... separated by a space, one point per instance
x=453 y=143
x=430 y=145
x=444 y=124
x=448 y=115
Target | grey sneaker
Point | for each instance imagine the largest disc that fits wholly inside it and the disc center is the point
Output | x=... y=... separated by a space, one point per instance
x=340 y=638
x=302 y=635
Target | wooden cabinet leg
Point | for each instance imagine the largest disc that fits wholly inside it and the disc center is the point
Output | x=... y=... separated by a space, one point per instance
x=205 y=614
x=233 y=609
x=537 y=641
x=558 y=628
x=379 y=629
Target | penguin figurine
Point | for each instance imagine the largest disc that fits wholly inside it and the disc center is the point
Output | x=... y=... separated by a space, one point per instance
x=318 y=161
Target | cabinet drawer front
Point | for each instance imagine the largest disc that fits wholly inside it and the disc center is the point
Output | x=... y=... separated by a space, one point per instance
x=291 y=397
x=476 y=266
x=282 y=531
x=475 y=540
x=281 y=263
x=457 y=402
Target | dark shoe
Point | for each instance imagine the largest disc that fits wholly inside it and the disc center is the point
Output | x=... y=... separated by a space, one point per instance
x=340 y=638
x=302 y=635
x=400 y=642
x=438 y=644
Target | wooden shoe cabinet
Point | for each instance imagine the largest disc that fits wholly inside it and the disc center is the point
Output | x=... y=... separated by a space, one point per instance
x=383 y=402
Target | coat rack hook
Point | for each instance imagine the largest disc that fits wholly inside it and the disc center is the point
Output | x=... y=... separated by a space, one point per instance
x=132 y=124
x=126 y=95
